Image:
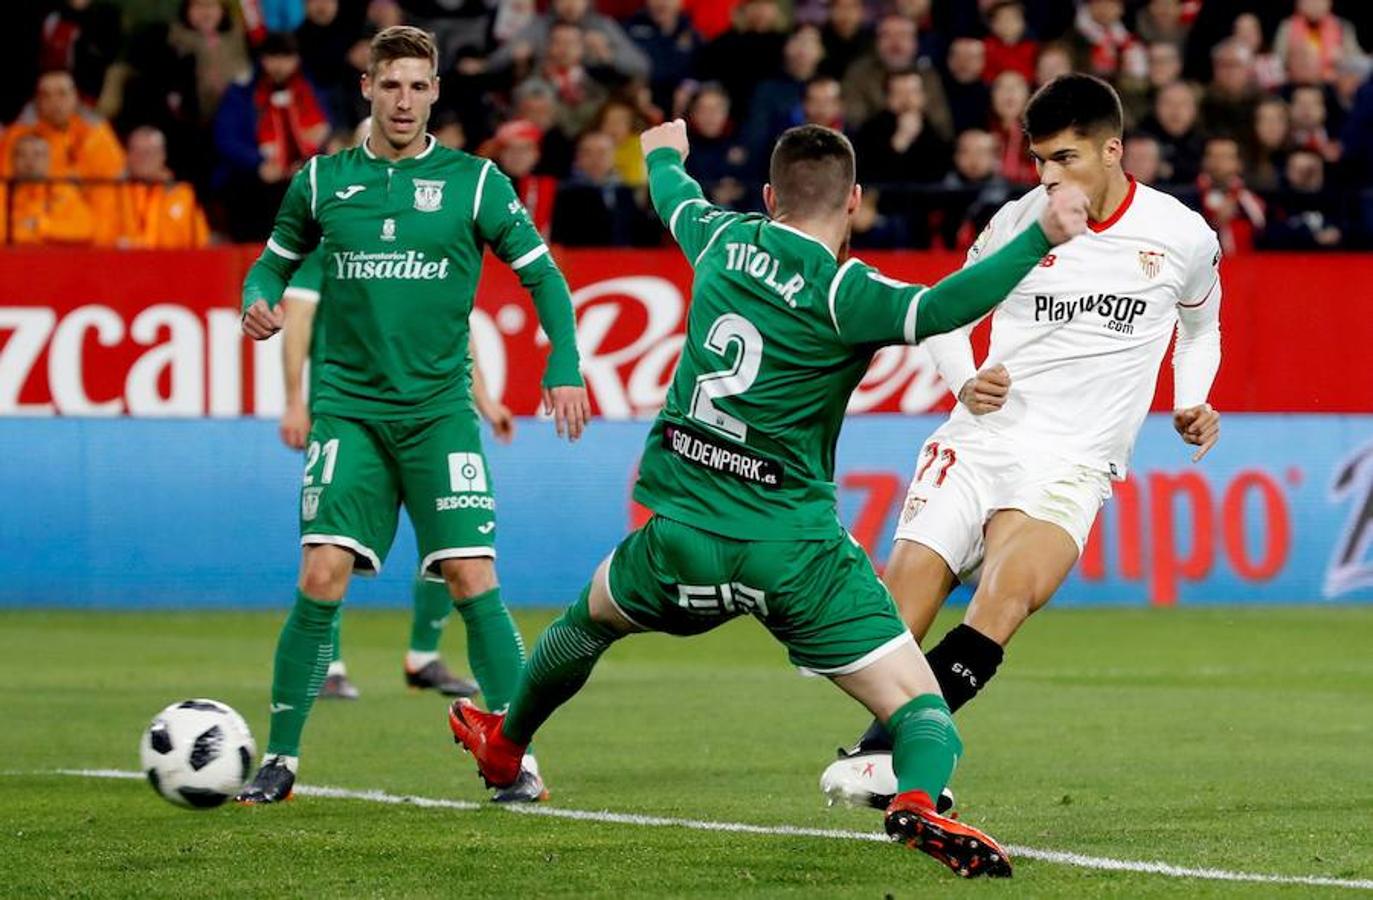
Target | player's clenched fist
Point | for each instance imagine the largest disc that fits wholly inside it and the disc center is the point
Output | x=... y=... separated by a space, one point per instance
x=261 y=321
x=986 y=391
x=669 y=134
x=1199 y=426
x=1065 y=215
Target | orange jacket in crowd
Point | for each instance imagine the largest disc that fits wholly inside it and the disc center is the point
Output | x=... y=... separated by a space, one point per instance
x=45 y=213
x=162 y=216
x=86 y=148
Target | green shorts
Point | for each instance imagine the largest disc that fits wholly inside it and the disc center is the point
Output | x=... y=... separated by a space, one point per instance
x=821 y=599
x=357 y=474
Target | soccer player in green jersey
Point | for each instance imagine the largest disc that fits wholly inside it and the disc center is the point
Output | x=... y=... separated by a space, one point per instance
x=403 y=224
x=431 y=603
x=739 y=468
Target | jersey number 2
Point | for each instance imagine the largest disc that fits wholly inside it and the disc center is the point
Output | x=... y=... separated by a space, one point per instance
x=731 y=328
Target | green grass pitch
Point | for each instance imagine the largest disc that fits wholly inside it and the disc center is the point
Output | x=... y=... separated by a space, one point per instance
x=1231 y=739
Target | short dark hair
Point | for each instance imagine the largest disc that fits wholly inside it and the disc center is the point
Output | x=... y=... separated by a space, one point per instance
x=811 y=170
x=401 y=42
x=279 y=43
x=1084 y=103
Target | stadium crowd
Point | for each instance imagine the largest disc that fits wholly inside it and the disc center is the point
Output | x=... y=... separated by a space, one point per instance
x=168 y=123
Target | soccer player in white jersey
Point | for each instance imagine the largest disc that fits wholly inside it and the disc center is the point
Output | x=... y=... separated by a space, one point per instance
x=1012 y=482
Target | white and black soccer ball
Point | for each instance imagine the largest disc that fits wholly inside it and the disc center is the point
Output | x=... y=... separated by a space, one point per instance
x=197 y=753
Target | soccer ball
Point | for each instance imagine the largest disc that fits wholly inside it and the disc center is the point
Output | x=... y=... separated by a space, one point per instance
x=197 y=753
x=863 y=779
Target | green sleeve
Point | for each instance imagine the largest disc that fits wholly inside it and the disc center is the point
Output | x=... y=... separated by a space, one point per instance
x=309 y=278
x=678 y=200
x=294 y=235
x=867 y=307
x=504 y=224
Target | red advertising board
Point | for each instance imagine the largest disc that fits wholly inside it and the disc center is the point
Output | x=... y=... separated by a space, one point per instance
x=154 y=333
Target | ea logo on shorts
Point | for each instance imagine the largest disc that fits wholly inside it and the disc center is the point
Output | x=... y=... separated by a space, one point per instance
x=466 y=473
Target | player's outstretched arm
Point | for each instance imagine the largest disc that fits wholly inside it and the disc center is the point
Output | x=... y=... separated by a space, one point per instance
x=503 y=222
x=677 y=198
x=970 y=293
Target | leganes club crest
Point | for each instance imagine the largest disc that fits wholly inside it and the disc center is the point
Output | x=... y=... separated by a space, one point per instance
x=428 y=195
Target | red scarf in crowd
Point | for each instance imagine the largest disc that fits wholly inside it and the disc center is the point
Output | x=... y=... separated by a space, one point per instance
x=1235 y=234
x=1326 y=36
x=283 y=127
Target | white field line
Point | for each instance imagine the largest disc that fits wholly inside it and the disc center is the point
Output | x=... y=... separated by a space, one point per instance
x=1103 y=863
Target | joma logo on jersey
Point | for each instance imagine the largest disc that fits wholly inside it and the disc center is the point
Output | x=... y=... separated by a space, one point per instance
x=1118 y=312
x=741 y=257
x=410 y=265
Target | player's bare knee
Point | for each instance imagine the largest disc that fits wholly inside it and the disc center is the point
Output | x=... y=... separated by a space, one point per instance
x=468 y=578
x=601 y=606
x=324 y=572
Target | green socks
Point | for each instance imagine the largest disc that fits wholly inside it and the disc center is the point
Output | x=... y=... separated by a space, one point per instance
x=337 y=655
x=926 y=745
x=433 y=605
x=495 y=651
x=562 y=661
x=304 y=651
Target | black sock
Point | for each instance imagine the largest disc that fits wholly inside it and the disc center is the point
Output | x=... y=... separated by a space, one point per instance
x=963 y=662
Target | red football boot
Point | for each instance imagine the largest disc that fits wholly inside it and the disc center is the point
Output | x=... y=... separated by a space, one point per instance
x=911 y=819
x=498 y=758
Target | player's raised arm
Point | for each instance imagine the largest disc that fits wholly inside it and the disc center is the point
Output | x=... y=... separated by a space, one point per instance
x=677 y=198
x=503 y=222
x=1196 y=356
x=880 y=310
x=294 y=236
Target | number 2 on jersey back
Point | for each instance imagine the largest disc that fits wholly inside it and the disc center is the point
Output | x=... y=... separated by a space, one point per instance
x=731 y=328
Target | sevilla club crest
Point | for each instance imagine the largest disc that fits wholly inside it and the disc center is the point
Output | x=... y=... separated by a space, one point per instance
x=1150 y=263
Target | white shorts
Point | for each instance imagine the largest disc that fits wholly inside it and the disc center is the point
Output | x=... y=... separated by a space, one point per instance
x=964 y=474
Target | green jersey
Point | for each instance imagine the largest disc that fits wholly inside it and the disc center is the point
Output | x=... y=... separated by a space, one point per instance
x=779 y=333
x=402 y=243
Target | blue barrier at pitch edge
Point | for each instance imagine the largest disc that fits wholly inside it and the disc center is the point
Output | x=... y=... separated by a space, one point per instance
x=171 y=513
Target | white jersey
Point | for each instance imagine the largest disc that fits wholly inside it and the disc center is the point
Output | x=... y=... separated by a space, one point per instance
x=1083 y=334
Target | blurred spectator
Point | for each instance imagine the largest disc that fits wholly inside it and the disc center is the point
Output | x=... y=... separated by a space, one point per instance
x=1105 y=47
x=1174 y=124
x=776 y=103
x=383 y=14
x=1007 y=47
x=1141 y=158
x=664 y=34
x=1136 y=96
x=40 y=211
x=1228 y=105
x=1166 y=21
x=823 y=104
x=606 y=46
x=593 y=209
x=1268 y=142
x=717 y=161
x=711 y=18
x=207 y=35
x=894 y=51
x=975 y=188
x=619 y=119
x=81 y=143
x=967 y=93
x=266 y=16
x=1235 y=212
x=579 y=94
x=1305 y=214
x=1314 y=25
x=1350 y=75
x=154 y=211
x=84 y=38
x=461 y=27
x=1268 y=69
x=872 y=228
x=1307 y=127
x=265 y=129
x=846 y=36
x=515 y=148
x=1010 y=94
x=447 y=130
x=1054 y=60
x=536 y=101
x=898 y=145
x=746 y=54
x=325 y=38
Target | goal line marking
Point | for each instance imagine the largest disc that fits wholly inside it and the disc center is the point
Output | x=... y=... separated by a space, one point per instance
x=1079 y=860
